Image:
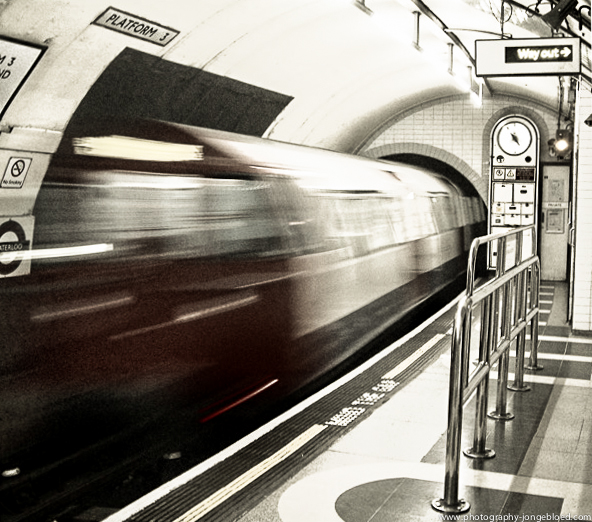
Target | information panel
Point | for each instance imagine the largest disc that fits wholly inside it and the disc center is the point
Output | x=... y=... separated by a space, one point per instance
x=528 y=57
x=513 y=181
x=17 y=60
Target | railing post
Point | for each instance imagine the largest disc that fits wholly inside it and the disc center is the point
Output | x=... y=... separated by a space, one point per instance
x=450 y=503
x=478 y=450
x=533 y=363
x=500 y=412
x=518 y=384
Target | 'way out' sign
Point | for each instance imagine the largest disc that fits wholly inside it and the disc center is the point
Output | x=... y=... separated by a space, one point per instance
x=528 y=57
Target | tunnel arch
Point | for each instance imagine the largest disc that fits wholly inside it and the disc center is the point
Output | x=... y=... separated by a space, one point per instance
x=434 y=158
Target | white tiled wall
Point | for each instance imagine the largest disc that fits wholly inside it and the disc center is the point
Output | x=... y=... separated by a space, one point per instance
x=457 y=116
x=466 y=138
x=582 y=313
x=467 y=129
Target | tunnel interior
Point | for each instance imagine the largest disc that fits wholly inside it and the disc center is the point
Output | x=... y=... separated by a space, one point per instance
x=438 y=166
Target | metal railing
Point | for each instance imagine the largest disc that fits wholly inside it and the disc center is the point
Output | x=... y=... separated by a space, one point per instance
x=509 y=303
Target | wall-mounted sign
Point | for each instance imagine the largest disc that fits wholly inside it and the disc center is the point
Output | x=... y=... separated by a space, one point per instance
x=17 y=60
x=15 y=173
x=527 y=57
x=15 y=244
x=135 y=26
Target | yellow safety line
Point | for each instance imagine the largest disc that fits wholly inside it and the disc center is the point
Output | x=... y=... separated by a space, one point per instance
x=250 y=476
x=412 y=358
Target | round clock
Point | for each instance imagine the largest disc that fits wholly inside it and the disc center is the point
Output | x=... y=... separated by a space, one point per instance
x=514 y=138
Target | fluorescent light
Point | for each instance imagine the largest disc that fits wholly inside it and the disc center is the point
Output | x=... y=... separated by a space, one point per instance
x=125 y=147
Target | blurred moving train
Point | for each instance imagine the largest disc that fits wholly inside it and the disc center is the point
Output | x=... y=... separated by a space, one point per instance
x=178 y=267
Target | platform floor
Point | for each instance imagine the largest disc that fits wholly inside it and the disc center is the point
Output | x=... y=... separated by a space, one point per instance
x=391 y=466
x=371 y=447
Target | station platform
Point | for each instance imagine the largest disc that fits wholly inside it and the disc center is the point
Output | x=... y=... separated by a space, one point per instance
x=372 y=448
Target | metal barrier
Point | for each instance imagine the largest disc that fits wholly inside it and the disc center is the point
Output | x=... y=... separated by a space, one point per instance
x=509 y=302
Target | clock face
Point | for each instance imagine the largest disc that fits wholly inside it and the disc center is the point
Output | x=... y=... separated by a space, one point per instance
x=514 y=138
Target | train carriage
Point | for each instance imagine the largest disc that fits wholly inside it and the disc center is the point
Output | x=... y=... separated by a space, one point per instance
x=185 y=269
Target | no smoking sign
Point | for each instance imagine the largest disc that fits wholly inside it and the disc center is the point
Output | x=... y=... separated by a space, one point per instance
x=15 y=172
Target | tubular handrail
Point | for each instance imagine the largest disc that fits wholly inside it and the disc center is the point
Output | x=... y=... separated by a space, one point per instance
x=509 y=303
x=490 y=238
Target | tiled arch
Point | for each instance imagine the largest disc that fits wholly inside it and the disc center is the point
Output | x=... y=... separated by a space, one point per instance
x=432 y=152
x=465 y=146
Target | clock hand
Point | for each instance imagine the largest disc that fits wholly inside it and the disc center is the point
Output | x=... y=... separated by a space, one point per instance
x=515 y=138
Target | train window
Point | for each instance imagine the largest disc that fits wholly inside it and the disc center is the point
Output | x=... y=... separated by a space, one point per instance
x=397 y=219
x=470 y=210
x=160 y=215
x=451 y=212
x=418 y=217
x=463 y=212
x=369 y=227
x=361 y=224
x=444 y=213
x=330 y=222
x=481 y=207
x=382 y=234
x=356 y=223
x=479 y=213
x=301 y=216
x=238 y=218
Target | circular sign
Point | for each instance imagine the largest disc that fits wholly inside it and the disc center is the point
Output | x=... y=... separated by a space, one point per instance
x=10 y=259
x=18 y=167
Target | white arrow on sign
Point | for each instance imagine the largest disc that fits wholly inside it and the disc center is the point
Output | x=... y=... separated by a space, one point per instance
x=565 y=52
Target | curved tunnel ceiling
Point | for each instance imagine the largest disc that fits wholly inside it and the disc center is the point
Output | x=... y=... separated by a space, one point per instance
x=343 y=72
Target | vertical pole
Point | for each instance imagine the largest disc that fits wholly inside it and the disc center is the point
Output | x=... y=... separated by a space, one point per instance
x=450 y=503
x=500 y=412
x=466 y=346
x=533 y=363
x=521 y=304
x=478 y=450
